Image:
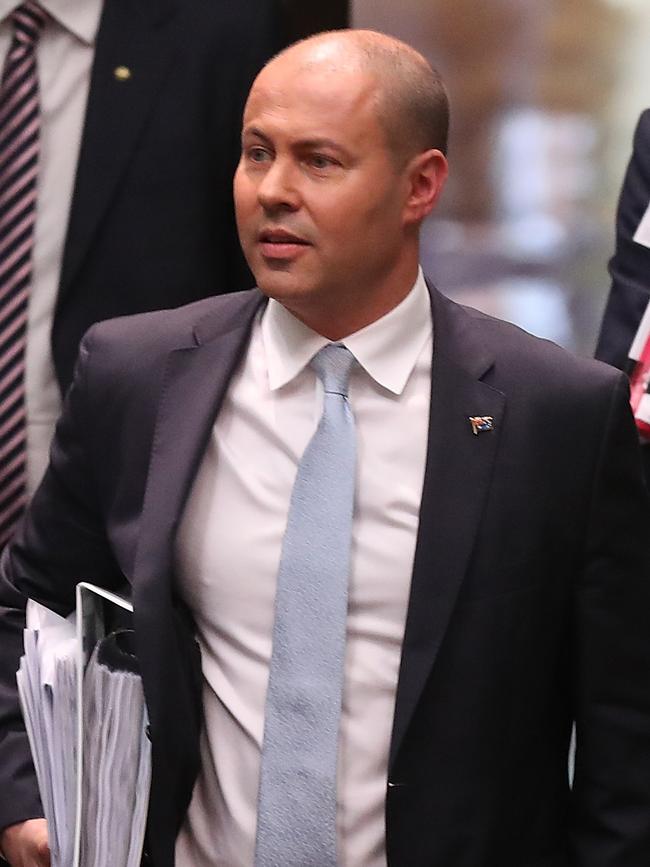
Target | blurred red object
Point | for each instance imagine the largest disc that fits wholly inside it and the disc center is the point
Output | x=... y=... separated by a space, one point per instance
x=642 y=407
x=640 y=377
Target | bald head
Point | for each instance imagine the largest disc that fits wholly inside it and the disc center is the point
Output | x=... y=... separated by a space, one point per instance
x=410 y=99
x=341 y=162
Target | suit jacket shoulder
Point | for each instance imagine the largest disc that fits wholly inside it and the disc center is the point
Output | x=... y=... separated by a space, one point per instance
x=516 y=362
x=129 y=349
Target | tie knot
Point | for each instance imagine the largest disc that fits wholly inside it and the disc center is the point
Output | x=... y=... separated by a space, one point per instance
x=332 y=366
x=28 y=20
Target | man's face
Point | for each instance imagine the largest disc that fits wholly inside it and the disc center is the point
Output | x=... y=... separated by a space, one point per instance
x=318 y=197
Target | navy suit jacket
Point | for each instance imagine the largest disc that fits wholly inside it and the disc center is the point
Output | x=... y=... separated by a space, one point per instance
x=151 y=221
x=528 y=606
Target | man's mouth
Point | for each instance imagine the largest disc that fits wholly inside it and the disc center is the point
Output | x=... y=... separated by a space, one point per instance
x=281 y=244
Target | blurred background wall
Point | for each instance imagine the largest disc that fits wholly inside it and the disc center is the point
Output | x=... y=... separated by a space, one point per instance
x=545 y=95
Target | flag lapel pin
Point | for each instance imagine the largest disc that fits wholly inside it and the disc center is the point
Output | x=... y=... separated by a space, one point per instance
x=481 y=423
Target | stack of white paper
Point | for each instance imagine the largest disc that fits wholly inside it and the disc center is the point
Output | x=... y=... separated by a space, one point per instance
x=116 y=762
x=93 y=772
x=47 y=682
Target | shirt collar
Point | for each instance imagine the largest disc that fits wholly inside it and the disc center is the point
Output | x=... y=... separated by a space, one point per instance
x=387 y=349
x=79 y=17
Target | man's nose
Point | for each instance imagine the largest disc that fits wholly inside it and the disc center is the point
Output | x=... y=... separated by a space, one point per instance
x=278 y=189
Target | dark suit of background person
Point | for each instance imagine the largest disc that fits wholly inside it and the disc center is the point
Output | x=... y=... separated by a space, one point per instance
x=151 y=222
x=529 y=600
x=630 y=265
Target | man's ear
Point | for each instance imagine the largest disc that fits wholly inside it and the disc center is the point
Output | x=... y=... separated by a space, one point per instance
x=426 y=173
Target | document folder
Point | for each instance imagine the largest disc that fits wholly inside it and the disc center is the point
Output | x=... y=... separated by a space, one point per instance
x=86 y=719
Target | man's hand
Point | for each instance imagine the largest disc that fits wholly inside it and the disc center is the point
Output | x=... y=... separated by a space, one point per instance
x=25 y=844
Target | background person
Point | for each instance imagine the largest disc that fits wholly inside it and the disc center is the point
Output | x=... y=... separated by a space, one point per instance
x=119 y=133
x=630 y=265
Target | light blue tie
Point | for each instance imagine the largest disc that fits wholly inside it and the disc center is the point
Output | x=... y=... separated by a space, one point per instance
x=296 y=820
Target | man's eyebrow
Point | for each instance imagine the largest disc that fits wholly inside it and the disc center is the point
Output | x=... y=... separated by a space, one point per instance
x=320 y=142
x=255 y=132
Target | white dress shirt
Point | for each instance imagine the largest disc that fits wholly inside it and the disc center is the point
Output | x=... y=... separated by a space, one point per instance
x=228 y=551
x=65 y=54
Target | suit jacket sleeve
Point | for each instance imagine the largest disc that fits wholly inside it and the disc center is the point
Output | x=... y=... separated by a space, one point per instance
x=630 y=265
x=611 y=658
x=60 y=542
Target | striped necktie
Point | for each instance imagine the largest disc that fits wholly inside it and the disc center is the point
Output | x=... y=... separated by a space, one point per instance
x=296 y=817
x=19 y=150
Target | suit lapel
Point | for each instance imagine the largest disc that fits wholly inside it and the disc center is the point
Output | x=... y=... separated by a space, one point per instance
x=456 y=481
x=137 y=35
x=195 y=382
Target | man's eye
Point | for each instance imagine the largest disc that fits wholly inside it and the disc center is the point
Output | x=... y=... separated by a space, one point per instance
x=320 y=161
x=258 y=155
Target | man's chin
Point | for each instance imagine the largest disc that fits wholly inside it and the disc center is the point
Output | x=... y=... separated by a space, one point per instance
x=281 y=285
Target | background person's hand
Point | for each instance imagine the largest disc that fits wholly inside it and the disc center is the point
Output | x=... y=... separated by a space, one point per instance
x=25 y=844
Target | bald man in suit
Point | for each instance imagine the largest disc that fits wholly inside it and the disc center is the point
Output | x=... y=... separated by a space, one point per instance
x=498 y=582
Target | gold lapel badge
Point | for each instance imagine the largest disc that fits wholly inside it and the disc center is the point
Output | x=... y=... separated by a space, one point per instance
x=481 y=423
x=122 y=73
